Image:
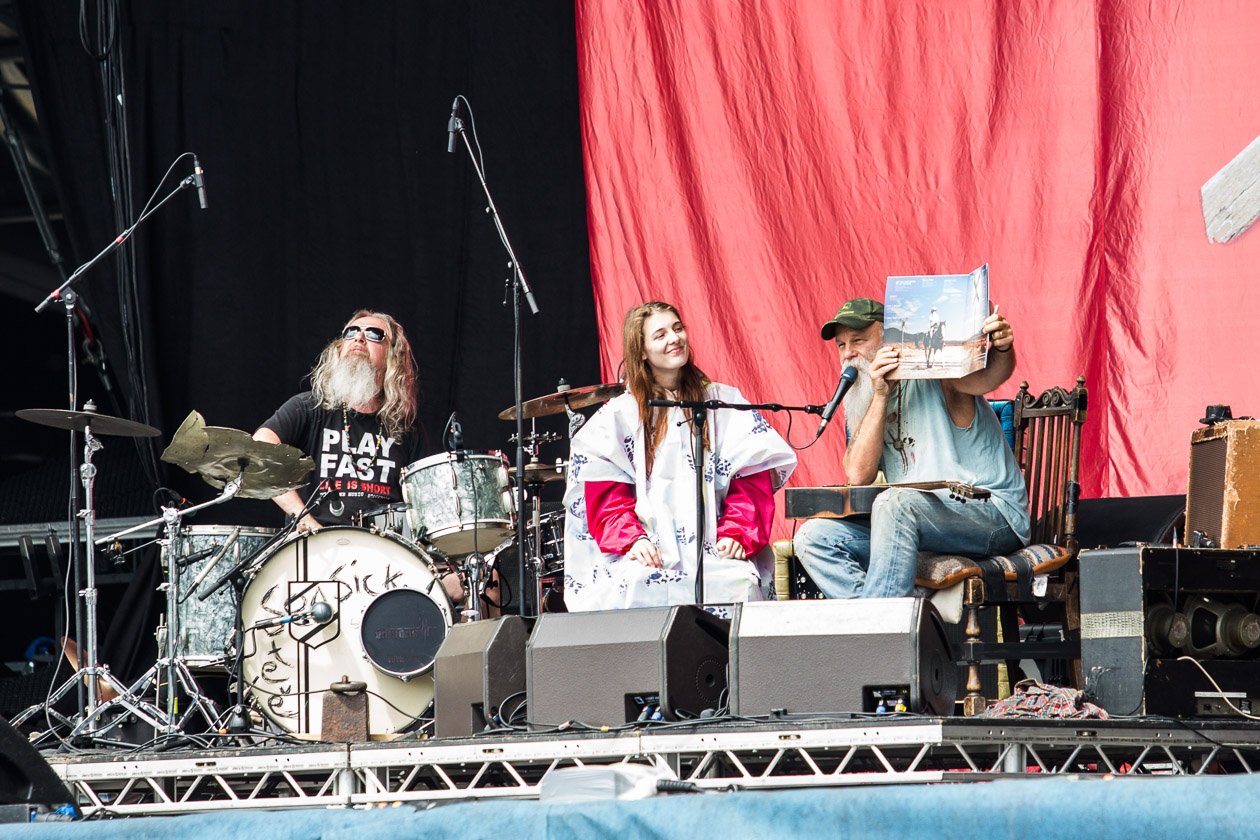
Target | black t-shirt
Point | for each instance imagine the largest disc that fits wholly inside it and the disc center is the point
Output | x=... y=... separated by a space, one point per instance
x=352 y=456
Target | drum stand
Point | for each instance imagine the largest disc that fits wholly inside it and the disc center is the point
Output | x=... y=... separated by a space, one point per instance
x=95 y=675
x=479 y=566
x=168 y=673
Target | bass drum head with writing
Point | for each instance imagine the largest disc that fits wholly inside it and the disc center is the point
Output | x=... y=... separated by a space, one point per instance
x=389 y=616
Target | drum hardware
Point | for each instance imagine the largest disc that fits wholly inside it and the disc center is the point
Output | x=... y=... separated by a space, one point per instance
x=459 y=501
x=219 y=455
x=565 y=398
x=389 y=616
x=80 y=421
x=536 y=438
x=97 y=677
x=538 y=473
x=478 y=568
x=226 y=458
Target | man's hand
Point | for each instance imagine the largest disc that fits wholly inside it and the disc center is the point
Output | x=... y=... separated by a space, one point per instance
x=643 y=551
x=999 y=331
x=729 y=547
x=308 y=525
x=886 y=360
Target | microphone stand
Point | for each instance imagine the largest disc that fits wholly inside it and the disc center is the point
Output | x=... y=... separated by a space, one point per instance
x=699 y=410
x=520 y=286
x=70 y=299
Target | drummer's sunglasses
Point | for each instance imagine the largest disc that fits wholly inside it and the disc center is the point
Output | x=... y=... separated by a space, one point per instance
x=373 y=334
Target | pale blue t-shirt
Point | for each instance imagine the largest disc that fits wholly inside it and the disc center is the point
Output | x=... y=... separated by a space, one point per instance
x=927 y=446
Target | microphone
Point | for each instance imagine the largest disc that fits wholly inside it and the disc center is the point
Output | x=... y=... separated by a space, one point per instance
x=452 y=126
x=455 y=434
x=847 y=378
x=319 y=612
x=194 y=557
x=199 y=182
x=221 y=552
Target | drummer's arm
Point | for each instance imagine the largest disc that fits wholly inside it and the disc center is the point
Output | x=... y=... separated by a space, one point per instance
x=291 y=501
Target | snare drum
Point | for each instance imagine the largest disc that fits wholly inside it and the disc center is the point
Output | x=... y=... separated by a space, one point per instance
x=459 y=501
x=206 y=627
x=388 y=618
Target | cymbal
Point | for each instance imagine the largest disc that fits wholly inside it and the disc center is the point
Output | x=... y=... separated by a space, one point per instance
x=571 y=398
x=219 y=454
x=102 y=424
x=540 y=473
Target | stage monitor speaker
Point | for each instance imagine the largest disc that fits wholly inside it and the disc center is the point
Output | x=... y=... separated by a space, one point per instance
x=25 y=778
x=479 y=669
x=613 y=667
x=1223 y=501
x=857 y=655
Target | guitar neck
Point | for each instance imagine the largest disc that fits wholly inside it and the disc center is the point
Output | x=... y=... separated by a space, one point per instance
x=843 y=501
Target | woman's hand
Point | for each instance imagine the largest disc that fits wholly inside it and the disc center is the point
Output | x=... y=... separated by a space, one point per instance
x=643 y=551
x=730 y=547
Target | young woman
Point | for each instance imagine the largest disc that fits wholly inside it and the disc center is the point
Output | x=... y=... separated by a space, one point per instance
x=630 y=529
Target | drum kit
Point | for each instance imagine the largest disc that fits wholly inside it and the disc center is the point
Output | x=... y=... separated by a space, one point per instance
x=287 y=614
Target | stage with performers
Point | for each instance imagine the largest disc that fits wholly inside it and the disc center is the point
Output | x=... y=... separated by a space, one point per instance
x=590 y=418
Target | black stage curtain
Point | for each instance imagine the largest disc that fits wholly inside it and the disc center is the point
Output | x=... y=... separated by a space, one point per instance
x=321 y=127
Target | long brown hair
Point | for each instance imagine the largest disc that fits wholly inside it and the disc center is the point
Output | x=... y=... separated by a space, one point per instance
x=643 y=385
x=397 y=413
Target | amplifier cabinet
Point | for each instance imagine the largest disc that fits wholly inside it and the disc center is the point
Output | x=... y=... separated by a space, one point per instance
x=1224 y=493
x=1144 y=607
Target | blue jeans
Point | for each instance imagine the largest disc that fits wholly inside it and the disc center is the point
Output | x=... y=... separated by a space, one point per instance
x=878 y=558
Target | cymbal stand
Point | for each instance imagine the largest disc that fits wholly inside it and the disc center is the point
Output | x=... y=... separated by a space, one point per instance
x=91 y=672
x=165 y=716
x=535 y=548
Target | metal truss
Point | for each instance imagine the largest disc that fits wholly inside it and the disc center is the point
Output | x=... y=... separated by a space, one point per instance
x=776 y=754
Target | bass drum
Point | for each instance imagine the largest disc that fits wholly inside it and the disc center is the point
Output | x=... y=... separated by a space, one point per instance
x=386 y=617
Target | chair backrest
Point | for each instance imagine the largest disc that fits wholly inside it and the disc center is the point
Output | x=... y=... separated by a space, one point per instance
x=1048 y=450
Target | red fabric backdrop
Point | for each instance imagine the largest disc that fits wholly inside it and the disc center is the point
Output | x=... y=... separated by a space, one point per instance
x=757 y=163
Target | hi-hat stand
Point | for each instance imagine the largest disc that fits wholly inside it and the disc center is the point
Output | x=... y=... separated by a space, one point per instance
x=169 y=678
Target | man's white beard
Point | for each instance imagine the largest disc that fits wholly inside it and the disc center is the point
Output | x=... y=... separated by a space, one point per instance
x=351 y=381
x=858 y=400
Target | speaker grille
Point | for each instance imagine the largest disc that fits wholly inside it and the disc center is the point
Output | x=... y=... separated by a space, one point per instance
x=1205 y=501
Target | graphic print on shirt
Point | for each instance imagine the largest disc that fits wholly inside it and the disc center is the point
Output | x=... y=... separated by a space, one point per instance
x=357 y=465
x=894 y=435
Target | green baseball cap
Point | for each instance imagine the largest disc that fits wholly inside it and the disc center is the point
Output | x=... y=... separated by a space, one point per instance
x=857 y=314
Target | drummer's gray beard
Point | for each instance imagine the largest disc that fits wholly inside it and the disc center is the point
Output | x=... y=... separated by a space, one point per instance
x=858 y=401
x=347 y=381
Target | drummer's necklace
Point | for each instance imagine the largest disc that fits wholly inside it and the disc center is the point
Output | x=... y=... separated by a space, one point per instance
x=338 y=507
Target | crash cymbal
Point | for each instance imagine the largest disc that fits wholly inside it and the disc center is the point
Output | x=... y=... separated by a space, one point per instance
x=537 y=472
x=102 y=424
x=218 y=454
x=573 y=398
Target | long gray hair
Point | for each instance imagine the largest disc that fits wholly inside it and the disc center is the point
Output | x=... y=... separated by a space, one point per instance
x=397 y=413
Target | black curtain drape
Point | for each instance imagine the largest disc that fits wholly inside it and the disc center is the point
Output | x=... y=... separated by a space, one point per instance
x=321 y=127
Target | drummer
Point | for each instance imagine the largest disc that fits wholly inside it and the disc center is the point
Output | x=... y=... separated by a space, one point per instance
x=358 y=422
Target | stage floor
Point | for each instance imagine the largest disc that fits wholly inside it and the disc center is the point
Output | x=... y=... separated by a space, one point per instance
x=787 y=752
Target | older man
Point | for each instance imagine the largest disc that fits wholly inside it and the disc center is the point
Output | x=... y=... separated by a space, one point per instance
x=915 y=430
x=357 y=422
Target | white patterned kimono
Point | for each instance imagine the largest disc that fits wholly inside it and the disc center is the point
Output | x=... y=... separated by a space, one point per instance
x=610 y=448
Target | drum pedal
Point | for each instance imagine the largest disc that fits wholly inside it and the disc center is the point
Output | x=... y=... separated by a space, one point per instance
x=345 y=716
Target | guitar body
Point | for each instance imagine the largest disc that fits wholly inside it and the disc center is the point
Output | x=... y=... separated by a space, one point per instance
x=846 y=500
